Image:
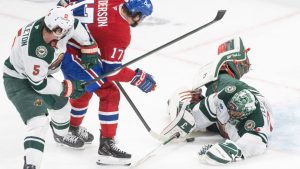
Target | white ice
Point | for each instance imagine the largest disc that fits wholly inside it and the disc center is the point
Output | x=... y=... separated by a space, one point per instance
x=269 y=27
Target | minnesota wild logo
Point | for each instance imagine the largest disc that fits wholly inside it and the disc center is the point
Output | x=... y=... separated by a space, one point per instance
x=41 y=51
x=249 y=125
x=230 y=89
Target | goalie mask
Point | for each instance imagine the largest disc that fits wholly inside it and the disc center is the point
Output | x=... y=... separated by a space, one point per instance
x=241 y=105
x=237 y=63
x=59 y=21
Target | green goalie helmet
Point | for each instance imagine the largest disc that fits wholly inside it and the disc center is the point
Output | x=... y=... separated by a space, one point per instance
x=236 y=58
x=241 y=104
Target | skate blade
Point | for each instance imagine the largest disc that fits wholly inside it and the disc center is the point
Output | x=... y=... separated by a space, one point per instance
x=75 y=148
x=109 y=160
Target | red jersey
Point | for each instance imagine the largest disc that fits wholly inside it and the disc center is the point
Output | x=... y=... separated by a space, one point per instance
x=111 y=32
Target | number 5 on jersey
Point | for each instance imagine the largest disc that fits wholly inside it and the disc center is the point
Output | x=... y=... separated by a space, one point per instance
x=36 y=69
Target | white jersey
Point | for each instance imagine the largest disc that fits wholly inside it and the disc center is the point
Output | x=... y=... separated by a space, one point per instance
x=33 y=59
x=251 y=134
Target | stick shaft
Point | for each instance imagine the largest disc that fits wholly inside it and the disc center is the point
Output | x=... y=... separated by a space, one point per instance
x=218 y=17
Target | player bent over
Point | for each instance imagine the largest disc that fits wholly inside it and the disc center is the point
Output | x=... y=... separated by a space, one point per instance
x=112 y=34
x=36 y=53
x=241 y=113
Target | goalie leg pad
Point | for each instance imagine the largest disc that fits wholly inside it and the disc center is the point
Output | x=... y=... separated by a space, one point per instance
x=183 y=123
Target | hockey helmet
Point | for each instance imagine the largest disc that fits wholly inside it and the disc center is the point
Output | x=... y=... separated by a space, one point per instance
x=144 y=7
x=242 y=104
x=60 y=21
x=237 y=62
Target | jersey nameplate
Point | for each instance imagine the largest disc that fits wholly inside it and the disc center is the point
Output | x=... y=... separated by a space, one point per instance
x=26 y=33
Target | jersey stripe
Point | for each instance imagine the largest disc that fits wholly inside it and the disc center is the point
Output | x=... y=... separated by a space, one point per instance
x=40 y=85
x=203 y=108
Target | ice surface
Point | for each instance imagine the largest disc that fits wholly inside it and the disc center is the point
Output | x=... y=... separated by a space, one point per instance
x=269 y=27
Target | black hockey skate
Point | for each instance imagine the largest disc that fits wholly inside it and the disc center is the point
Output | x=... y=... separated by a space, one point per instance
x=110 y=154
x=28 y=166
x=82 y=133
x=68 y=140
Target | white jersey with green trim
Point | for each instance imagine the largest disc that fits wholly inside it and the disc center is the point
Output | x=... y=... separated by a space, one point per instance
x=251 y=133
x=33 y=59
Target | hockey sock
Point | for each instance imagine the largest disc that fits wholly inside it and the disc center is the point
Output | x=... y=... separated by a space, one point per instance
x=77 y=115
x=60 y=119
x=34 y=141
x=109 y=123
x=79 y=108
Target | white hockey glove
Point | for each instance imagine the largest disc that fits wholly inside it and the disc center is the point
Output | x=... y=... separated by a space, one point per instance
x=220 y=153
x=184 y=123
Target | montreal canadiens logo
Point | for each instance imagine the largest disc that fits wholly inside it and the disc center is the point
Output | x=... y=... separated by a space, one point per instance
x=41 y=51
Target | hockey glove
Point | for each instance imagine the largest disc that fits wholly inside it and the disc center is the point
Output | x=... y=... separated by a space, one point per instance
x=89 y=56
x=143 y=80
x=73 y=89
x=63 y=3
x=220 y=153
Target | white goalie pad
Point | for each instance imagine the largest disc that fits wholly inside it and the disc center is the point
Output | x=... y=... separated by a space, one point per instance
x=184 y=123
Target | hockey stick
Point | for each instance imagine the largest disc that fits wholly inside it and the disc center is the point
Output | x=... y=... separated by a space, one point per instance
x=78 y=4
x=148 y=155
x=218 y=17
x=153 y=134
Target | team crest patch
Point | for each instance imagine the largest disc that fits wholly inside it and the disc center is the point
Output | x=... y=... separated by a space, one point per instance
x=41 y=51
x=38 y=102
x=230 y=89
x=249 y=125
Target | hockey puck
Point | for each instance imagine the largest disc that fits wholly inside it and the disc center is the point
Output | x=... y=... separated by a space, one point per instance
x=190 y=139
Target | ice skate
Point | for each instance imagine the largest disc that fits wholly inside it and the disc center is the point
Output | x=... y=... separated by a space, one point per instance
x=28 y=166
x=82 y=133
x=110 y=154
x=68 y=140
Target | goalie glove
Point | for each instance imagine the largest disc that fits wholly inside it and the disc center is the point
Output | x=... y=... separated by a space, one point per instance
x=184 y=123
x=183 y=94
x=220 y=153
x=89 y=56
x=72 y=89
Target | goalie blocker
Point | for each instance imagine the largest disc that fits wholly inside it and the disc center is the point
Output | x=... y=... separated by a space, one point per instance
x=184 y=122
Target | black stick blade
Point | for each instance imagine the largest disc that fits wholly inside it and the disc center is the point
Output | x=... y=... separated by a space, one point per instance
x=220 y=15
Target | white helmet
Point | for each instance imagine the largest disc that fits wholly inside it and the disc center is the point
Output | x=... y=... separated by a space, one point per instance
x=59 y=20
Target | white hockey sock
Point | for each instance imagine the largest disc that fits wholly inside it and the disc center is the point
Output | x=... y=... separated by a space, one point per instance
x=34 y=142
x=60 y=119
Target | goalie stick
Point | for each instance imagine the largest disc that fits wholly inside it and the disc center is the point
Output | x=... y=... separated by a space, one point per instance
x=218 y=17
x=153 y=134
x=148 y=155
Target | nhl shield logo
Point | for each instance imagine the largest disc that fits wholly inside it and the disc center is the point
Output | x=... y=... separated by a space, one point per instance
x=41 y=51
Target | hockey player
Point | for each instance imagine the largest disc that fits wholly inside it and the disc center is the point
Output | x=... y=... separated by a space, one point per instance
x=242 y=114
x=36 y=53
x=109 y=22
